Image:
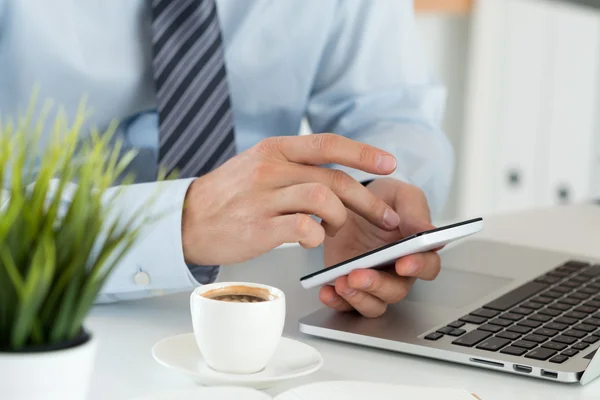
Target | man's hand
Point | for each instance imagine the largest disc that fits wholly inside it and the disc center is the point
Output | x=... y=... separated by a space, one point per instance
x=370 y=291
x=265 y=197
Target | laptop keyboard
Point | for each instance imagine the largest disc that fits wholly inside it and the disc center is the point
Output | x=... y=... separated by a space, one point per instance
x=553 y=317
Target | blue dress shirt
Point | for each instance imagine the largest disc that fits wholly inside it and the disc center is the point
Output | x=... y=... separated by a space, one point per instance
x=351 y=67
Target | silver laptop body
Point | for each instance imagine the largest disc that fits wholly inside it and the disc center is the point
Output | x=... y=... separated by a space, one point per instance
x=507 y=279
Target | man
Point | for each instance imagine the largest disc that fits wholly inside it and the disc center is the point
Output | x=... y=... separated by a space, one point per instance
x=193 y=83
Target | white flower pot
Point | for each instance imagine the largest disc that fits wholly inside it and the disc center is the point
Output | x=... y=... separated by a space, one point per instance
x=49 y=375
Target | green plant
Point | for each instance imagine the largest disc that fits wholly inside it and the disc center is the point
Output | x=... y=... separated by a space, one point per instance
x=54 y=255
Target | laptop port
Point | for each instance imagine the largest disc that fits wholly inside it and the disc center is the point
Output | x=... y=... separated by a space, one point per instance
x=522 y=369
x=549 y=374
x=486 y=362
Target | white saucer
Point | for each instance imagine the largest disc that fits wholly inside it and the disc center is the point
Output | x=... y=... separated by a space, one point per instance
x=292 y=359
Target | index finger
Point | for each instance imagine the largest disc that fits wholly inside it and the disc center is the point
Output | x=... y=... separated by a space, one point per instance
x=327 y=148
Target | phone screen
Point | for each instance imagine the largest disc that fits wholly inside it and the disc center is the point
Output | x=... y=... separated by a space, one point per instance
x=390 y=245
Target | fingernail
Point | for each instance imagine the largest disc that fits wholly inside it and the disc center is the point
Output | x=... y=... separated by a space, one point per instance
x=366 y=283
x=350 y=292
x=390 y=218
x=386 y=163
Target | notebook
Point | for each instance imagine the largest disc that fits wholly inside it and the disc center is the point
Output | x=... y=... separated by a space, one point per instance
x=328 y=390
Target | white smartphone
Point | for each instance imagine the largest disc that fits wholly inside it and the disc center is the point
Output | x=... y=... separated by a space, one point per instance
x=388 y=254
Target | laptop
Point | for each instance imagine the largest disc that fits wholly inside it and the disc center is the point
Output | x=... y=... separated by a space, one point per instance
x=498 y=306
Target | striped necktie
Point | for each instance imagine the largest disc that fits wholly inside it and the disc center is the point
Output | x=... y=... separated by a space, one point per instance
x=194 y=108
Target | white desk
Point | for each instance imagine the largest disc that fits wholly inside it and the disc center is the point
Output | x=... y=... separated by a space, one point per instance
x=127 y=331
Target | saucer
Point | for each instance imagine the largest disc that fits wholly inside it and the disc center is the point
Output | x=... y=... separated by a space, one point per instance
x=292 y=359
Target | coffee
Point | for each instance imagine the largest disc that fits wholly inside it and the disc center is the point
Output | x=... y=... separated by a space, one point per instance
x=239 y=294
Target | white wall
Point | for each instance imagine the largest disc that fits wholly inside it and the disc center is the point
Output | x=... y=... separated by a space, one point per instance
x=446 y=41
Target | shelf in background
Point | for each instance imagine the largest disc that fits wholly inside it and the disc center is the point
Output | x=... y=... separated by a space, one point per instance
x=444 y=6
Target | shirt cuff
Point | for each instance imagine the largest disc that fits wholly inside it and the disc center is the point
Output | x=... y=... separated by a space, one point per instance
x=155 y=264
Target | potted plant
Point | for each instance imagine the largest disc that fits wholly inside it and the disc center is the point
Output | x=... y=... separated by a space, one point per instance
x=57 y=248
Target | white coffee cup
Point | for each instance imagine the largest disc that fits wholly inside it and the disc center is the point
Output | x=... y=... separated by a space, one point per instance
x=236 y=337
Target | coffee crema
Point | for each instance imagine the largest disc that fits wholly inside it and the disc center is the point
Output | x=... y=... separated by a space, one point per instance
x=239 y=294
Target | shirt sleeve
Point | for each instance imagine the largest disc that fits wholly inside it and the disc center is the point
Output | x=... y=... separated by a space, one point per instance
x=155 y=265
x=373 y=86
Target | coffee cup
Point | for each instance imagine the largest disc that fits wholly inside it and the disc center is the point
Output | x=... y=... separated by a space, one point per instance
x=237 y=325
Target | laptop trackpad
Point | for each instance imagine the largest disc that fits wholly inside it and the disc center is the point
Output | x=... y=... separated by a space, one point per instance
x=455 y=289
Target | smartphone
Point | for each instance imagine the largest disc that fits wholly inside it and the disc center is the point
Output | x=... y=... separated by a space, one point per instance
x=388 y=254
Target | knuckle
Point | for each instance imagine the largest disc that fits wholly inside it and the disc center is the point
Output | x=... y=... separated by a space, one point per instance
x=318 y=194
x=340 y=180
x=302 y=224
x=323 y=141
x=268 y=146
x=366 y=154
x=260 y=171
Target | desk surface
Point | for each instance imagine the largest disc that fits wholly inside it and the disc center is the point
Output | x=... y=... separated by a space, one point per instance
x=127 y=331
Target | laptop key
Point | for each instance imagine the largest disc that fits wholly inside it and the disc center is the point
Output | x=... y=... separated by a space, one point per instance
x=579 y=295
x=595 y=285
x=570 y=284
x=501 y=322
x=472 y=338
x=457 y=332
x=574 y=333
x=592 y=321
x=555 y=346
x=562 y=289
x=536 y=338
x=559 y=359
x=580 y=279
x=445 y=330
x=542 y=299
x=493 y=344
x=552 y=294
x=550 y=311
x=557 y=326
x=545 y=332
x=541 y=354
x=472 y=319
x=530 y=324
x=580 y=346
x=434 y=336
x=570 y=301
x=540 y=318
x=521 y=310
x=592 y=303
x=511 y=316
x=547 y=279
x=565 y=339
x=516 y=296
x=490 y=328
x=576 y=314
x=575 y=264
x=585 y=328
x=591 y=271
x=560 y=306
x=558 y=274
x=456 y=324
x=525 y=344
x=586 y=309
x=513 y=351
x=570 y=352
x=532 y=305
x=509 y=335
x=519 y=329
x=566 y=320
x=591 y=339
x=589 y=290
x=486 y=313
